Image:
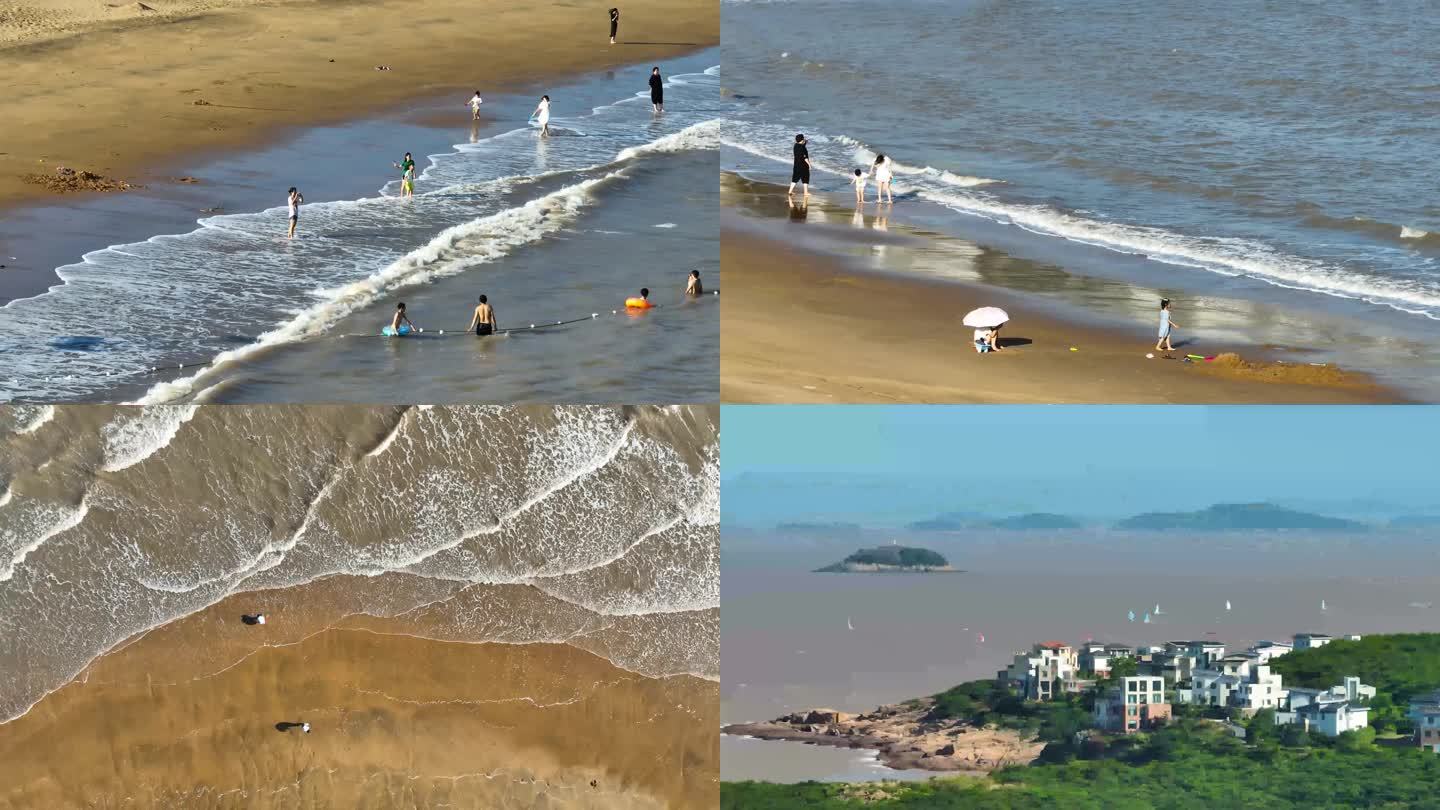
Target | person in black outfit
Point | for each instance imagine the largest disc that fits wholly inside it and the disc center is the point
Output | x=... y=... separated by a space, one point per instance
x=657 y=90
x=800 y=173
x=614 y=23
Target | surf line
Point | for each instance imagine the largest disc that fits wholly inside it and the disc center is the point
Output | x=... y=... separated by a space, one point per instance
x=437 y=334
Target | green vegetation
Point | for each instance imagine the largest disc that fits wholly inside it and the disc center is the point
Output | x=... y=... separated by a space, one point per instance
x=990 y=702
x=1192 y=764
x=1236 y=516
x=1399 y=666
x=895 y=556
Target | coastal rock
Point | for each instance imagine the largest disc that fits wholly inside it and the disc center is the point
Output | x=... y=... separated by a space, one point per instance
x=822 y=716
x=946 y=751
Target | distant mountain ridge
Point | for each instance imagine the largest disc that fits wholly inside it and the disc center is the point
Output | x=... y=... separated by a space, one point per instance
x=1237 y=516
x=956 y=521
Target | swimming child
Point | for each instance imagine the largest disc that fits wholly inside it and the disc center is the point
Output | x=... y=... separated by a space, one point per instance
x=859 y=183
x=475 y=102
x=643 y=302
x=293 y=199
x=401 y=317
x=693 y=286
x=483 y=322
x=1166 y=327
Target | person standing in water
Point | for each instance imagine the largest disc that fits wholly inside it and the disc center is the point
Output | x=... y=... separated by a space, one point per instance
x=800 y=172
x=693 y=286
x=542 y=114
x=293 y=199
x=657 y=91
x=1166 y=327
x=401 y=318
x=407 y=175
x=883 y=173
x=475 y=102
x=859 y=183
x=614 y=23
x=483 y=322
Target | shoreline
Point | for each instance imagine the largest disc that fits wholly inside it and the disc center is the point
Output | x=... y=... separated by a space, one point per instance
x=195 y=708
x=804 y=325
x=900 y=737
x=135 y=109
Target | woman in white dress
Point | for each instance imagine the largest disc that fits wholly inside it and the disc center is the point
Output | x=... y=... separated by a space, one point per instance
x=882 y=173
x=542 y=114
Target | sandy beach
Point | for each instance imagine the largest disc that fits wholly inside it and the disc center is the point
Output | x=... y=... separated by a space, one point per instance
x=121 y=91
x=802 y=326
x=397 y=721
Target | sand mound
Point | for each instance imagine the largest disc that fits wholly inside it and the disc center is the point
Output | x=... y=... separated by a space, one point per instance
x=1233 y=365
x=65 y=180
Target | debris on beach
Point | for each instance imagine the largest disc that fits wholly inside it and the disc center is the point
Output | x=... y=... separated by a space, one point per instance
x=187 y=179
x=65 y=180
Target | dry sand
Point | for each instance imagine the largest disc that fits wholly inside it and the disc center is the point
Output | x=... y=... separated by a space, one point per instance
x=113 y=89
x=802 y=327
x=397 y=721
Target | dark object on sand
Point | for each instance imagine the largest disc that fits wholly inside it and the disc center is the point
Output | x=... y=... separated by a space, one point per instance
x=66 y=180
x=187 y=179
x=286 y=727
x=253 y=618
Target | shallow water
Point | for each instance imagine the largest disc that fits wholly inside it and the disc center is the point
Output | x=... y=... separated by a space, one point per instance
x=1275 y=157
x=234 y=288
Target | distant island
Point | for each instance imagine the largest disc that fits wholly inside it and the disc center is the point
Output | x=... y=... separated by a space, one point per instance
x=1237 y=517
x=802 y=526
x=956 y=521
x=887 y=559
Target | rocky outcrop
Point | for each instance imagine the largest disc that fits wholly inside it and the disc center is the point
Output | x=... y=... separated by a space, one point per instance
x=903 y=737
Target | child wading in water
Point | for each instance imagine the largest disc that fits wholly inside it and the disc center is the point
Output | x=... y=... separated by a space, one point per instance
x=859 y=183
x=1166 y=327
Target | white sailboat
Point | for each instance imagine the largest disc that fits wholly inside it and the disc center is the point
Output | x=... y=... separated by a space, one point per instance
x=1132 y=615
x=1227 y=604
x=1158 y=611
x=1147 y=618
x=849 y=623
x=1322 y=604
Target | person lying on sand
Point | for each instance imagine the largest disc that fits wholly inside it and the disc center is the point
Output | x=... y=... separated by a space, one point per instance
x=1166 y=327
x=483 y=322
x=693 y=286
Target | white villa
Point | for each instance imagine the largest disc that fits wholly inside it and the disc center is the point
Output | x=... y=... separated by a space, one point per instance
x=1048 y=666
x=1332 y=711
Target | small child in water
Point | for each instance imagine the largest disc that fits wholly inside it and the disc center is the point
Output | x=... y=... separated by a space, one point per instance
x=859 y=182
x=693 y=286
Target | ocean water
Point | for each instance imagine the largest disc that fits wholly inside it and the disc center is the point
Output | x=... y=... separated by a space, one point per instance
x=588 y=526
x=1279 y=155
x=166 y=316
x=785 y=631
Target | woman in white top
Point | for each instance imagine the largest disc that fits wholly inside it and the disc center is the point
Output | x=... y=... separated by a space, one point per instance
x=292 y=200
x=542 y=114
x=883 y=174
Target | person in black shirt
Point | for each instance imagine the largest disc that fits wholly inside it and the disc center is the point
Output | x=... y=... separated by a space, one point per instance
x=614 y=23
x=800 y=173
x=657 y=90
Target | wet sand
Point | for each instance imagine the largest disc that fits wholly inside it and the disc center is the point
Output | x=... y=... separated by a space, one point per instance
x=118 y=91
x=804 y=326
x=186 y=715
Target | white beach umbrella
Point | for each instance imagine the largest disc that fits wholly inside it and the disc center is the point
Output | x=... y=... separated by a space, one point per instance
x=986 y=317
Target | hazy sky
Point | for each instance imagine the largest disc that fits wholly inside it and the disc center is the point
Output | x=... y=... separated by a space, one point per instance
x=887 y=464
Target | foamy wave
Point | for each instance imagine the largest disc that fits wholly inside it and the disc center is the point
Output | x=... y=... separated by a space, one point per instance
x=1224 y=256
x=455 y=250
x=32 y=417
x=136 y=436
x=1407 y=232
x=704 y=135
x=28 y=526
